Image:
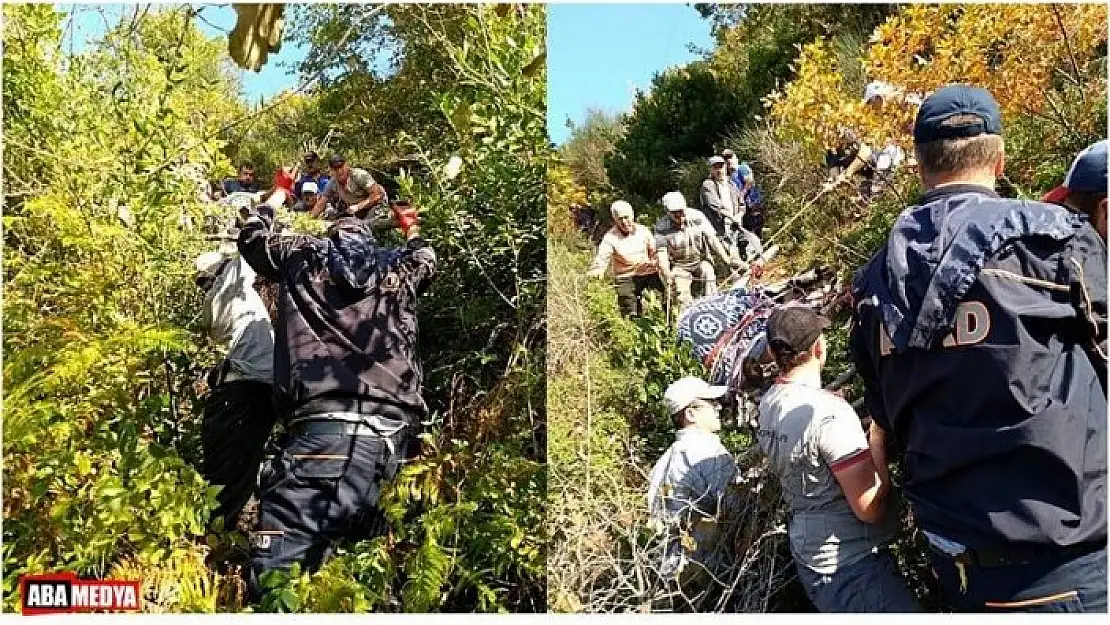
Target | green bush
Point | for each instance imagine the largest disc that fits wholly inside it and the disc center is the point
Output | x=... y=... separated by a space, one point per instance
x=103 y=349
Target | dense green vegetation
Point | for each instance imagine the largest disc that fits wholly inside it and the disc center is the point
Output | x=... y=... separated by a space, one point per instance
x=101 y=342
x=788 y=72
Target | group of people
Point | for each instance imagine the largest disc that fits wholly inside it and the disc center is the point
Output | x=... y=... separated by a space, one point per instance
x=680 y=256
x=980 y=333
x=730 y=198
x=871 y=167
x=332 y=359
x=677 y=259
x=339 y=191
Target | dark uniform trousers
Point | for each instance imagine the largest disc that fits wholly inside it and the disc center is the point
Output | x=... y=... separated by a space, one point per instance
x=238 y=419
x=1059 y=580
x=324 y=485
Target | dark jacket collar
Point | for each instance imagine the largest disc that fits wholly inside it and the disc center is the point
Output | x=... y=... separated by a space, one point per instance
x=937 y=193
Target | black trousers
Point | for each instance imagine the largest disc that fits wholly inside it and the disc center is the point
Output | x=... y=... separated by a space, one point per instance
x=630 y=292
x=320 y=488
x=238 y=419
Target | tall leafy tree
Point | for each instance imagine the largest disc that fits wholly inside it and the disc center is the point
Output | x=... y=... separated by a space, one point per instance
x=589 y=143
x=681 y=117
x=100 y=435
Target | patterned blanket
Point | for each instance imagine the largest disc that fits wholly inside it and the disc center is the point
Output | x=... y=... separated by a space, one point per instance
x=722 y=328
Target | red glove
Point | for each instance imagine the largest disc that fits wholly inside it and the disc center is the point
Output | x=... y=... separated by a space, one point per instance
x=405 y=214
x=756 y=270
x=283 y=179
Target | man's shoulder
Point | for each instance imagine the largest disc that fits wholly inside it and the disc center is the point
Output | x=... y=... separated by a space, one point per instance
x=664 y=460
x=864 y=276
x=698 y=446
x=424 y=253
x=790 y=397
x=694 y=215
x=1017 y=221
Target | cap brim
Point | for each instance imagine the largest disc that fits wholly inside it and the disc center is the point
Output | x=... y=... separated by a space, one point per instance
x=1057 y=195
x=713 y=392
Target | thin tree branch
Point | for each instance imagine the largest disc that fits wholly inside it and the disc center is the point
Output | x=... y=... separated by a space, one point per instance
x=1067 y=44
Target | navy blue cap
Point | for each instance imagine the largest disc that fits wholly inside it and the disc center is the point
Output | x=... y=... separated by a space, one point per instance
x=952 y=100
x=1088 y=172
x=1086 y=175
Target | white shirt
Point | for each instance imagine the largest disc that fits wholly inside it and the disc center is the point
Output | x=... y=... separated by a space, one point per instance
x=695 y=471
x=235 y=314
x=808 y=434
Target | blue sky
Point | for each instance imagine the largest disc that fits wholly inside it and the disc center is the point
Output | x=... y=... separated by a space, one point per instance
x=89 y=26
x=598 y=53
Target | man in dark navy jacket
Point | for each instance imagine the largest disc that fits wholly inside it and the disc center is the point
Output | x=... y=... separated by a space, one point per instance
x=980 y=332
x=347 y=382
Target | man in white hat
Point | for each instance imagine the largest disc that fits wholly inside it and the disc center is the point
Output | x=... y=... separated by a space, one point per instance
x=686 y=246
x=628 y=249
x=689 y=483
x=720 y=198
x=877 y=94
x=238 y=410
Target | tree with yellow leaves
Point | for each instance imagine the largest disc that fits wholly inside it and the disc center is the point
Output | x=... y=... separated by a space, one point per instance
x=1041 y=61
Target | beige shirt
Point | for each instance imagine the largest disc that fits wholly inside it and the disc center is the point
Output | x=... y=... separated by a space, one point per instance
x=724 y=191
x=691 y=244
x=628 y=255
x=354 y=191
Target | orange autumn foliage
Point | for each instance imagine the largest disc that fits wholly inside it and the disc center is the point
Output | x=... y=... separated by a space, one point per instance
x=1030 y=57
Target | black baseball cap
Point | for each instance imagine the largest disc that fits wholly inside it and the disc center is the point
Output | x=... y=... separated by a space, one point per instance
x=336 y=161
x=953 y=100
x=792 y=329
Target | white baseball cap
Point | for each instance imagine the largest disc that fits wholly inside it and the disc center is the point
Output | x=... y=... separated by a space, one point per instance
x=310 y=187
x=876 y=89
x=674 y=201
x=681 y=393
x=716 y=160
x=620 y=207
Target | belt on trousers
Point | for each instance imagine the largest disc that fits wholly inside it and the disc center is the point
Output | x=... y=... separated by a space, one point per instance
x=994 y=558
x=309 y=425
x=334 y=427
